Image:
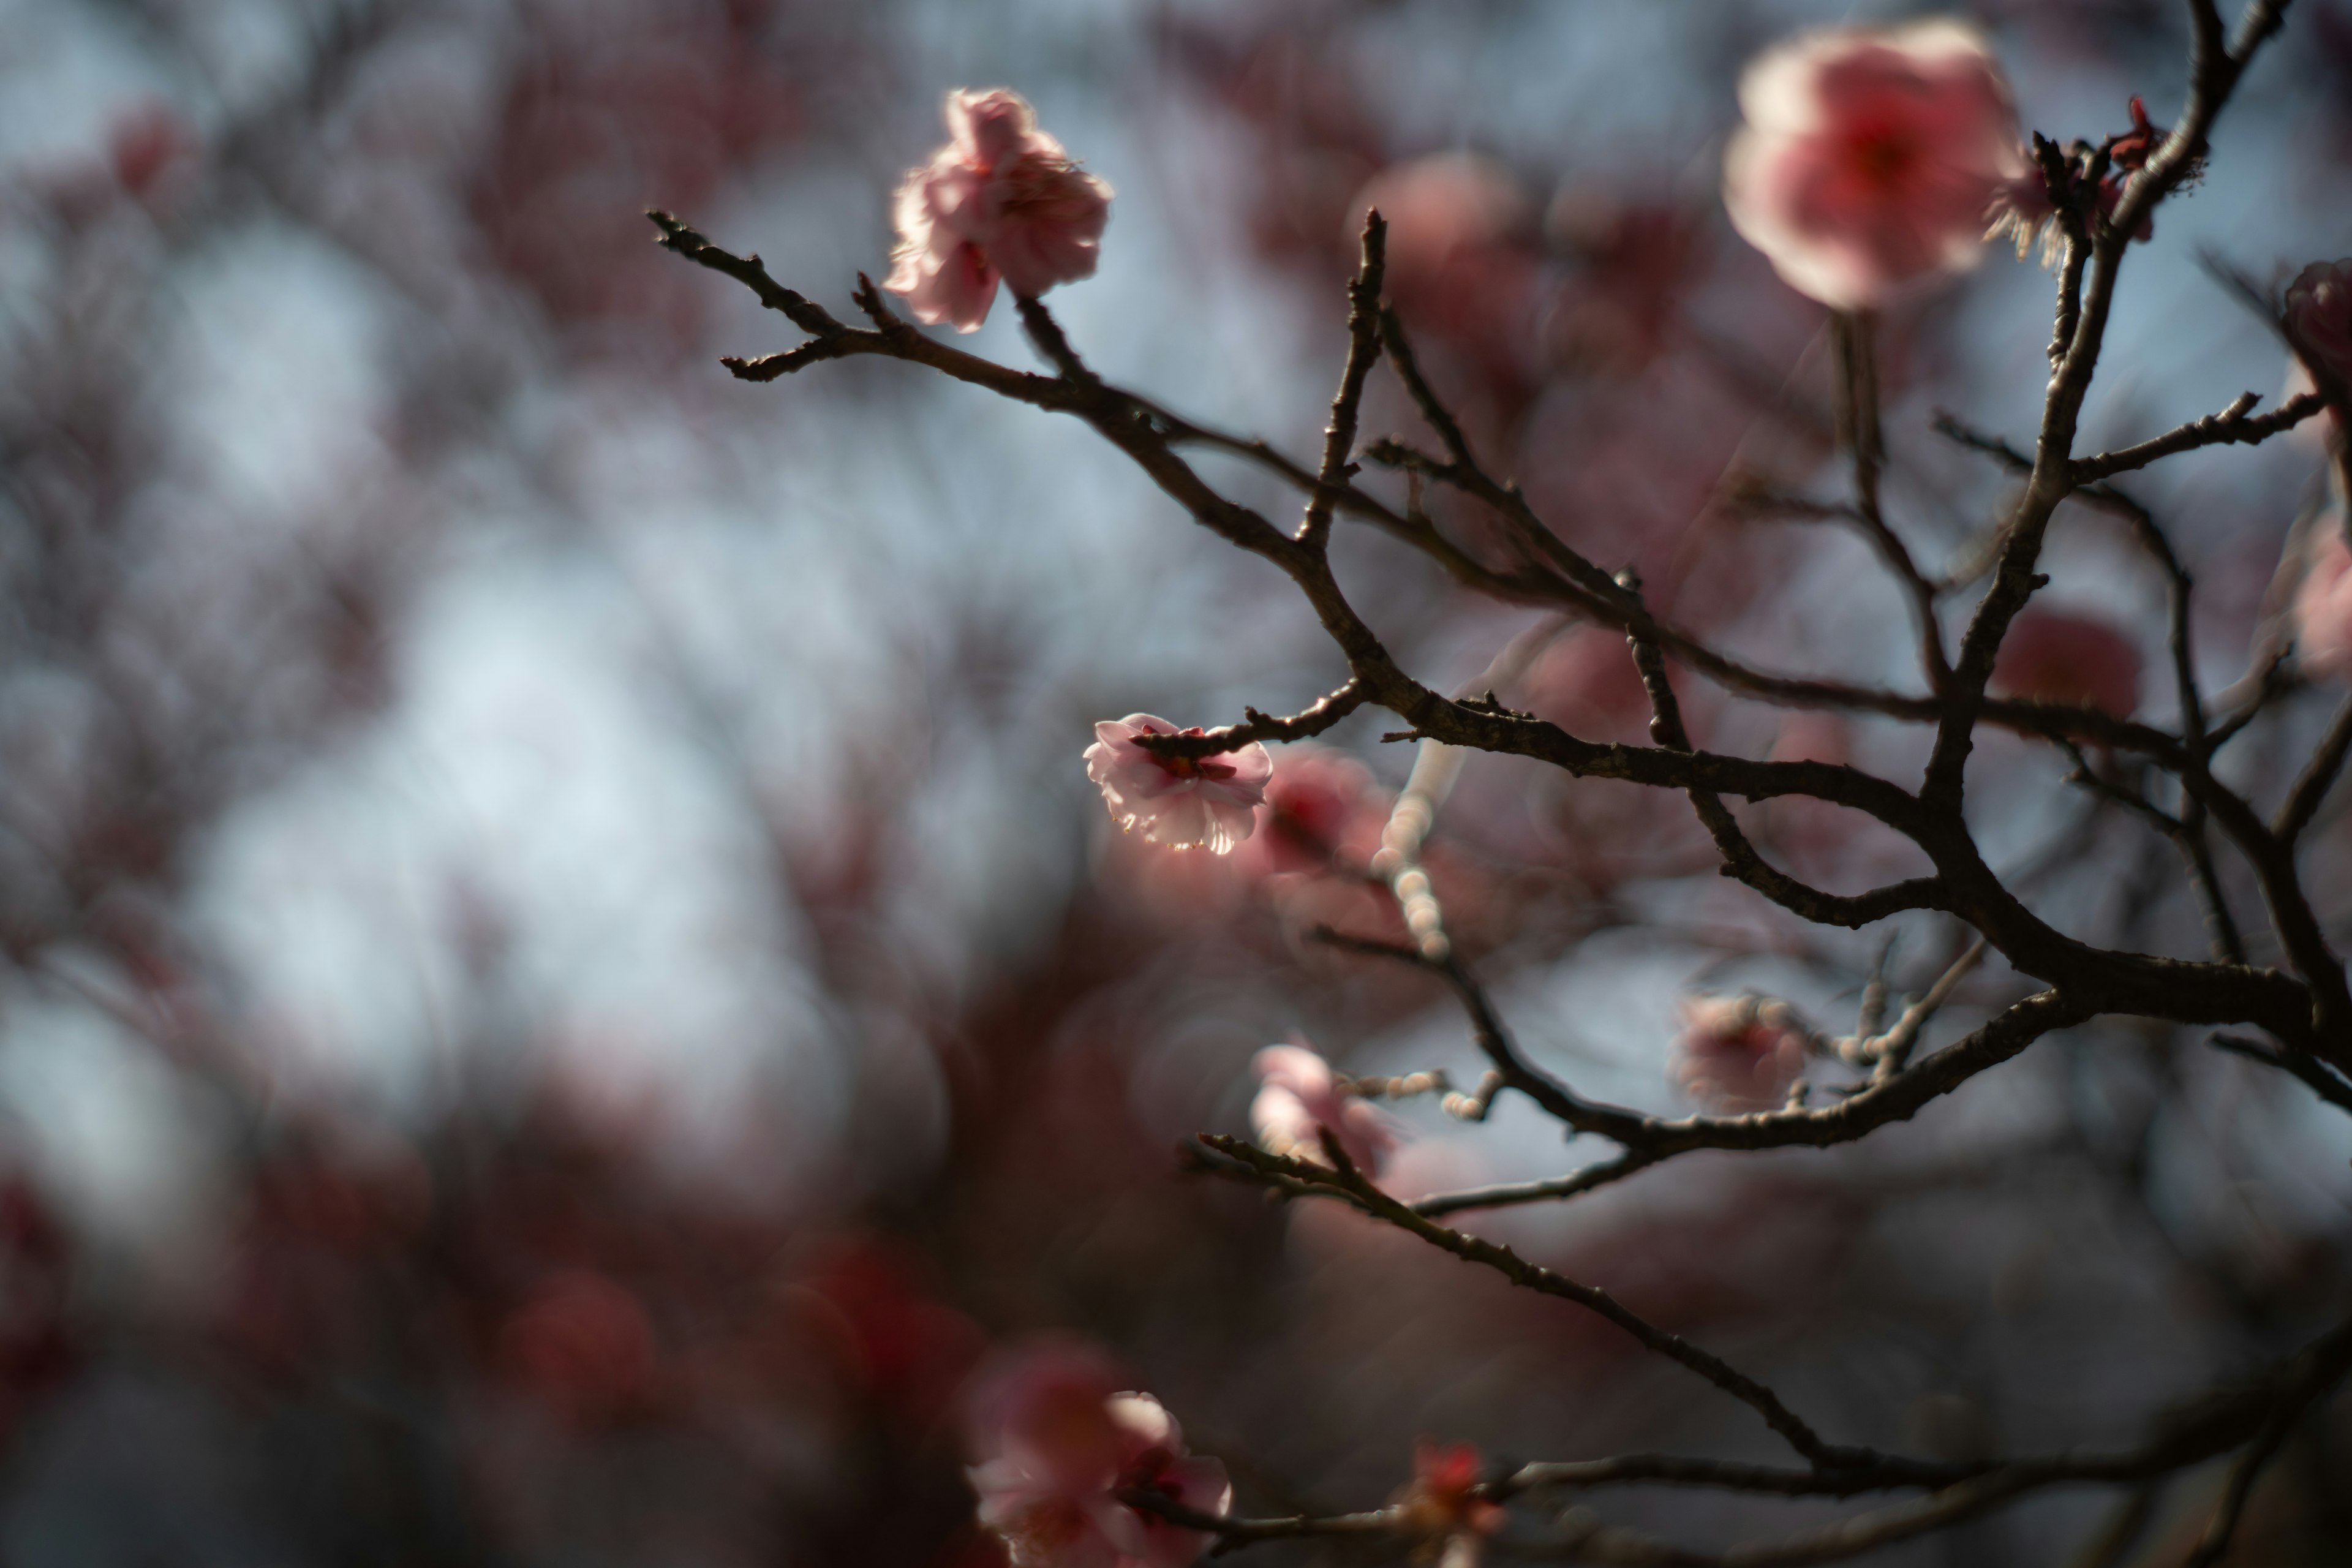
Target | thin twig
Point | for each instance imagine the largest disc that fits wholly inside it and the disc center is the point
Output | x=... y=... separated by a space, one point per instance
x=2234 y=425
x=1313 y=720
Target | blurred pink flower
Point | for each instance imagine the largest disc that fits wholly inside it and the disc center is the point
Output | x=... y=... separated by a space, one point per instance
x=1869 y=157
x=2053 y=657
x=1000 y=200
x=1740 y=1053
x=2318 y=321
x=1321 y=806
x=2323 y=605
x=1058 y=1443
x=1439 y=1506
x=1299 y=1096
x=1461 y=257
x=1180 y=801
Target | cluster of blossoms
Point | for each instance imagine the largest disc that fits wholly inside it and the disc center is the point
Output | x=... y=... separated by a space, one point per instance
x=1868 y=166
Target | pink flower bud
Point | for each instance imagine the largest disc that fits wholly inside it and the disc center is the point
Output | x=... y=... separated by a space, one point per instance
x=1000 y=200
x=1180 y=801
x=2053 y=657
x=2318 y=322
x=1058 y=1444
x=1870 y=157
x=1300 y=1100
x=1740 y=1053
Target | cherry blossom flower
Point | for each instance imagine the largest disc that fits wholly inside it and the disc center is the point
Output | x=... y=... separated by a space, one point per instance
x=2318 y=322
x=1178 y=801
x=1300 y=1097
x=1001 y=201
x=2055 y=656
x=1740 y=1053
x=2323 y=605
x=1058 y=1444
x=1869 y=157
x=1439 y=1505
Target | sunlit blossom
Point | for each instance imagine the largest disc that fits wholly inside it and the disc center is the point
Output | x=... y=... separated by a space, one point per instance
x=1300 y=1098
x=1001 y=201
x=1180 y=801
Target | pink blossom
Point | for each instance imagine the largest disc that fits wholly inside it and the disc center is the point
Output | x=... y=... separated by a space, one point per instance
x=1299 y=1097
x=1441 y=1505
x=1321 y=807
x=1000 y=200
x=2053 y=657
x=1059 y=1443
x=1740 y=1053
x=2323 y=605
x=1180 y=801
x=2318 y=322
x=1869 y=157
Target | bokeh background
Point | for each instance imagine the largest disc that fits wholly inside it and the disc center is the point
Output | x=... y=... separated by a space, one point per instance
x=561 y=983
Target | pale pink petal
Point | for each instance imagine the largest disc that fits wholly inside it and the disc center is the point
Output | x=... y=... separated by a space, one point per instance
x=2322 y=605
x=1001 y=201
x=1177 y=802
x=1144 y=1423
x=990 y=127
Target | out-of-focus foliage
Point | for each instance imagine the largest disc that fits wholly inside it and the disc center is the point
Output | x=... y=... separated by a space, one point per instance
x=564 y=982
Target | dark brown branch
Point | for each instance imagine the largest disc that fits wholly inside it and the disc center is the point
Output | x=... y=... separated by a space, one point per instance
x=2319 y=1375
x=1854 y=336
x=2243 y=1417
x=2233 y=424
x=1740 y=860
x=2303 y=800
x=2214 y=71
x=1509 y=1195
x=1313 y=720
x=1894 y=1099
x=802 y=312
x=1344 y=1178
x=2323 y=1081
